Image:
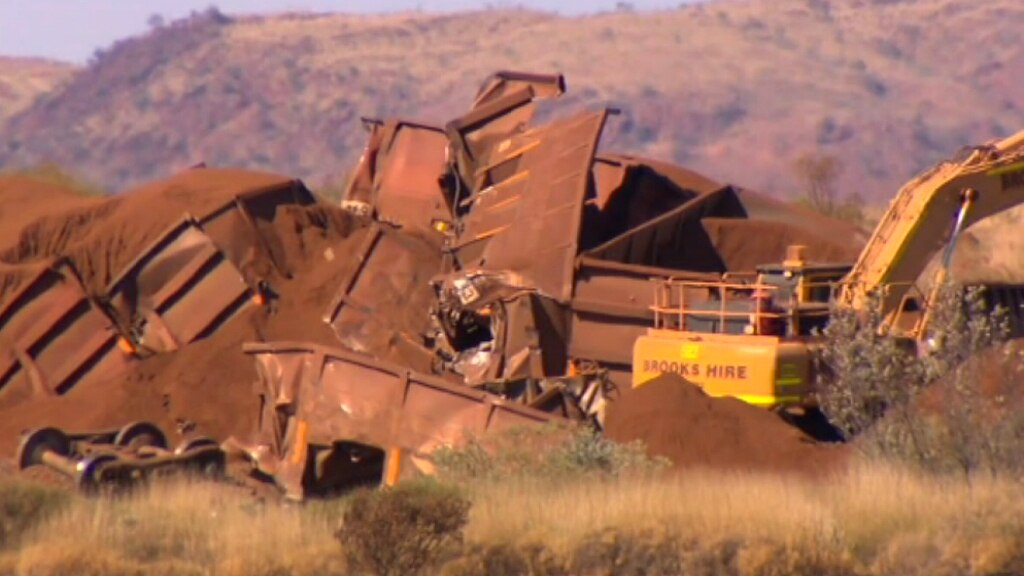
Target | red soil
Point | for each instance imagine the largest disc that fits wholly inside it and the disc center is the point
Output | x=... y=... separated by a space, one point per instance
x=746 y=244
x=675 y=419
x=103 y=235
x=24 y=199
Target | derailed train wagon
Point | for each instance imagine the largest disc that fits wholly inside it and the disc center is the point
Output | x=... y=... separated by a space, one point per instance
x=332 y=417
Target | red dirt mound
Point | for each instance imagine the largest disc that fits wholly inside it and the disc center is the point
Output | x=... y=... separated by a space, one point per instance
x=24 y=199
x=103 y=236
x=677 y=420
x=990 y=379
x=746 y=244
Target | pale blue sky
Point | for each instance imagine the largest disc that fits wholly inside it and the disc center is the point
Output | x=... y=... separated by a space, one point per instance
x=72 y=29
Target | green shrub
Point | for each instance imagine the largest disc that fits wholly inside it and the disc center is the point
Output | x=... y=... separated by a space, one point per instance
x=407 y=529
x=865 y=370
x=940 y=412
x=24 y=505
x=587 y=452
x=544 y=451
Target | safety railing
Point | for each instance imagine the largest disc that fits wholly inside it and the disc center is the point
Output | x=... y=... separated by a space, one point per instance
x=768 y=308
x=675 y=309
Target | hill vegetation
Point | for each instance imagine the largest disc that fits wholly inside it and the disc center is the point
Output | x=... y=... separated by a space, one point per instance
x=736 y=89
x=23 y=79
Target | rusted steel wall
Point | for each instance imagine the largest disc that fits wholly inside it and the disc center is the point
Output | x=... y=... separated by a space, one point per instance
x=178 y=289
x=673 y=239
x=399 y=178
x=611 y=308
x=383 y=304
x=52 y=335
x=316 y=395
x=408 y=188
x=243 y=228
x=626 y=194
x=529 y=223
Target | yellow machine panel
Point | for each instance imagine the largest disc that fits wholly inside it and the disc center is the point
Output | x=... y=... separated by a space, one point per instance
x=760 y=370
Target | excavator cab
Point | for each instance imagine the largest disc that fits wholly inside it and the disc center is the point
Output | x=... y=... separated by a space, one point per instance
x=803 y=292
x=748 y=336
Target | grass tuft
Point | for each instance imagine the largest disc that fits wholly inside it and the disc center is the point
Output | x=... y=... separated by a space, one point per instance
x=23 y=505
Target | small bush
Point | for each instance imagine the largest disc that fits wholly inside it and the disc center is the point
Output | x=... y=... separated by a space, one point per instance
x=545 y=451
x=24 y=505
x=627 y=552
x=940 y=411
x=403 y=530
x=866 y=371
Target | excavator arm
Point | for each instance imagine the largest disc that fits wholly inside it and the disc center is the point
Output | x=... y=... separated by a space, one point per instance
x=928 y=212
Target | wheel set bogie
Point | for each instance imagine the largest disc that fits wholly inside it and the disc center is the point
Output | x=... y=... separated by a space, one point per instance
x=126 y=456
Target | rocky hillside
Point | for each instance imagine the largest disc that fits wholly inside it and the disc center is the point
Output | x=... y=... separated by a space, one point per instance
x=23 y=79
x=734 y=88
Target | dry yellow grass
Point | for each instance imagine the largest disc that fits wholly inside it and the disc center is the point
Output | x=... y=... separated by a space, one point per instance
x=874 y=520
x=181 y=528
x=872 y=517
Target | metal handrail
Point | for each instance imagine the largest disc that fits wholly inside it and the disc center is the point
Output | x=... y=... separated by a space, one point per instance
x=665 y=291
x=670 y=290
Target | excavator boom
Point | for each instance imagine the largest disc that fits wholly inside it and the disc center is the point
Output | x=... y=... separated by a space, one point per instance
x=925 y=212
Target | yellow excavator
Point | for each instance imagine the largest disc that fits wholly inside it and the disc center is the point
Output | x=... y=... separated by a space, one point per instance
x=751 y=336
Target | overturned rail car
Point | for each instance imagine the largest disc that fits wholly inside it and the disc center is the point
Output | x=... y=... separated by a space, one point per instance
x=332 y=417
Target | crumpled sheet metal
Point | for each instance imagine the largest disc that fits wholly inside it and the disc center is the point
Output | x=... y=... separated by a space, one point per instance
x=382 y=304
x=316 y=395
x=399 y=177
x=503 y=108
x=530 y=223
x=242 y=228
x=525 y=332
x=582 y=396
x=53 y=337
x=518 y=193
x=181 y=287
x=505 y=81
x=673 y=239
x=534 y=338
